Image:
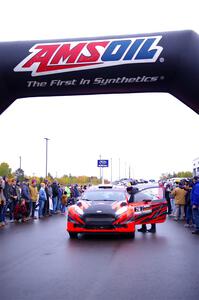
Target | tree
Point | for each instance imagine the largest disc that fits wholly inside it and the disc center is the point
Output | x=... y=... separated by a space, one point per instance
x=5 y=170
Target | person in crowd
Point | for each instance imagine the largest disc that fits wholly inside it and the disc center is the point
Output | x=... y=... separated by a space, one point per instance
x=49 y=194
x=14 y=197
x=195 y=203
x=59 y=198
x=42 y=199
x=76 y=192
x=6 y=194
x=25 y=194
x=172 y=201
x=188 y=207
x=179 y=194
x=64 y=202
x=46 y=210
x=2 y=203
x=34 y=197
x=167 y=187
x=55 y=193
x=20 y=211
x=69 y=194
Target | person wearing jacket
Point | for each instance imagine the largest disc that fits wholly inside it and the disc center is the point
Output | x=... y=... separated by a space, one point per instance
x=55 y=192
x=2 y=203
x=14 y=197
x=25 y=195
x=195 y=203
x=42 y=199
x=179 y=194
x=34 y=197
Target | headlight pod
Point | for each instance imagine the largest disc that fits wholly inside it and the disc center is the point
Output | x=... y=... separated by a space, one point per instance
x=121 y=210
x=78 y=210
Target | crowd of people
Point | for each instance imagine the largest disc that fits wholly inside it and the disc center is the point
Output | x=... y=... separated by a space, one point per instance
x=23 y=201
x=183 y=201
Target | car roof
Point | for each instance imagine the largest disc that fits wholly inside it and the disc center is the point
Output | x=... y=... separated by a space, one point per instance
x=110 y=187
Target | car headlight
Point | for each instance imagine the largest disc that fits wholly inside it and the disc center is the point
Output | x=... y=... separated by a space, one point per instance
x=79 y=210
x=121 y=210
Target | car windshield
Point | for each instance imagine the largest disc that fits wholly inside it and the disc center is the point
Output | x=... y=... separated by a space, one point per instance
x=104 y=195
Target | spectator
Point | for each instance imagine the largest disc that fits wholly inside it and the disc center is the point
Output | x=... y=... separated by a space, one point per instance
x=179 y=195
x=42 y=199
x=76 y=192
x=49 y=194
x=46 y=210
x=14 y=196
x=34 y=197
x=59 y=198
x=25 y=194
x=2 y=203
x=6 y=194
x=55 y=193
x=167 y=187
x=188 y=214
x=172 y=201
x=63 y=202
x=195 y=203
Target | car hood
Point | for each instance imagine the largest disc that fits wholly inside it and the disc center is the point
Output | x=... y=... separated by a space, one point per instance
x=100 y=206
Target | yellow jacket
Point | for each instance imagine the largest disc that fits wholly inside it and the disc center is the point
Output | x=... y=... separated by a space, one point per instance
x=33 y=193
x=179 y=195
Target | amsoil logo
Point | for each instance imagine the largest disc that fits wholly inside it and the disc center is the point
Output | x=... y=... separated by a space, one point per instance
x=52 y=58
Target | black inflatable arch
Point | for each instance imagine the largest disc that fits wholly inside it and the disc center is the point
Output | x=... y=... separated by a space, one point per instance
x=155 y=62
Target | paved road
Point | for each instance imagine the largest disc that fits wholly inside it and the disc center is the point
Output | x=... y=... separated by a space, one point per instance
x=39 y=261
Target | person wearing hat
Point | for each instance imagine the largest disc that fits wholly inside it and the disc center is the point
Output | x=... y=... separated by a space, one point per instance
x=195 y=203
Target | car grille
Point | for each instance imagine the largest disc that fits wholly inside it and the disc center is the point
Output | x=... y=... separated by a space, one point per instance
x=99 y=219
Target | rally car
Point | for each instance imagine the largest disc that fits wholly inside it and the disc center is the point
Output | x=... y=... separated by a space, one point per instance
x=113 y=209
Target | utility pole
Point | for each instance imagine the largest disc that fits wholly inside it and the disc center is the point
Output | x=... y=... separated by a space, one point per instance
x=100 y=157
x=111 y=171
x=46 y=156
x=19 y=162
x=119 y=168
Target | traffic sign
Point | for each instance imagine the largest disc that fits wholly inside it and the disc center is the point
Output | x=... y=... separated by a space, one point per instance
x=102 y=163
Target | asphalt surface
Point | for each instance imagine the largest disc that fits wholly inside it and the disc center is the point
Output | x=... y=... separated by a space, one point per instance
x=39 y=261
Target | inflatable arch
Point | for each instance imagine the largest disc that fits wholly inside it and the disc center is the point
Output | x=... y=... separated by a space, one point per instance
x=158 y=62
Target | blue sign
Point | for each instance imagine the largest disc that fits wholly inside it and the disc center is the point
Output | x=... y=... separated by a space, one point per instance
x=102 y=163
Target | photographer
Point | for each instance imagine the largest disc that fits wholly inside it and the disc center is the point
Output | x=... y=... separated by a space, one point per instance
x=195 y=203
x=2 y=203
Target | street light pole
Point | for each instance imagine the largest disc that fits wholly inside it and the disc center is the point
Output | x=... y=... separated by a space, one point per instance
x=119 y=168
x=111 y=171
x=19 y=162
x=46 y=156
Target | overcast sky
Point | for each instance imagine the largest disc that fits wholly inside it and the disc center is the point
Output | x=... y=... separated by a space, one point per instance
x=151 y=133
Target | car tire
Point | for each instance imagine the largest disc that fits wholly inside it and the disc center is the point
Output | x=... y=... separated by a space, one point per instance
x=73 y=235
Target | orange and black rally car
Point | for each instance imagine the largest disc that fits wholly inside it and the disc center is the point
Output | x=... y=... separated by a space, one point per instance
x=111 y=209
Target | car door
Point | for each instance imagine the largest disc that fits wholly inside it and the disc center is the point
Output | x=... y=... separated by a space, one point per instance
x=149 y=205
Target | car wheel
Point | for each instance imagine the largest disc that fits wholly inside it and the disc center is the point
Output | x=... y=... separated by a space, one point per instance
x=73 y=235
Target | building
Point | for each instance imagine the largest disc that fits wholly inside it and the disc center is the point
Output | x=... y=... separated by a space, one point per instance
x=196 y=167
